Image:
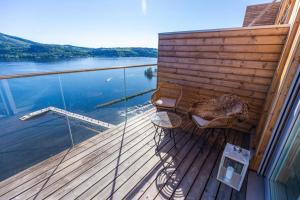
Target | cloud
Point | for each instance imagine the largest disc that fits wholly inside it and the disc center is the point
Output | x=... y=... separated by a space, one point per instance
x=144 y=6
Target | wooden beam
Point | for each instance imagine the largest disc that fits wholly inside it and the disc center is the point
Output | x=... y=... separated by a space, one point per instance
x=229 y=32
x=282 y=79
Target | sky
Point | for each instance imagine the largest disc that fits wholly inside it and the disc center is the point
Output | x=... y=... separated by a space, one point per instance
x=115 y=23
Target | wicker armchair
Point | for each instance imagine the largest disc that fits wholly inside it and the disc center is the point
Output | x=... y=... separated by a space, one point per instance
x=167 y=96
x=219 y=112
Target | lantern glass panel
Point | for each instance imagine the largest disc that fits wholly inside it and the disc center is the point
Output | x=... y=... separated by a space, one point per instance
x=238 y=167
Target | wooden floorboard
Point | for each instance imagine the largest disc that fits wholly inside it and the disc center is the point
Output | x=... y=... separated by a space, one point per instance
x=106 y=165
x=212 y=185
x=76 y=159
x=167 y=171
x=184 y=177
x=127 y=163
x=203 y=171
x=52 y=162
x=148 y=172
x=147 y=161
x=104 y=158
x=224 y=192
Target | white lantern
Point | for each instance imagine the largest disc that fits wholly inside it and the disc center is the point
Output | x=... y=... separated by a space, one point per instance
x=233 y=166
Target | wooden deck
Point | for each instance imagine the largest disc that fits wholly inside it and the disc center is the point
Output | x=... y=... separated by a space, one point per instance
x=127 y=163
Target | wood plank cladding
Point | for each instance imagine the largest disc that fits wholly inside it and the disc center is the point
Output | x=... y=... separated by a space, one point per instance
x=210 y=63
x=268 y=18
x=285 y=12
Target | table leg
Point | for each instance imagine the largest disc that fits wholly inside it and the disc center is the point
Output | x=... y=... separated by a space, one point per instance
x=156 y=131
x=161 y=130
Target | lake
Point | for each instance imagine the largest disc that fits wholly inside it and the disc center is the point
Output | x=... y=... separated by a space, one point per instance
x=24 y=143
x=80 y=63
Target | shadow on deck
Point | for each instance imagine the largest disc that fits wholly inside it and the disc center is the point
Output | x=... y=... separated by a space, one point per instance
x=125 y=162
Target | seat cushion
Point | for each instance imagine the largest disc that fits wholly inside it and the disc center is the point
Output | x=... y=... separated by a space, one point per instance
x=166 y=102
x=200 y=121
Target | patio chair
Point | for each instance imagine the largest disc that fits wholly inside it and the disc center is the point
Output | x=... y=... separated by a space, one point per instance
x=167 y=96
x=219 y=112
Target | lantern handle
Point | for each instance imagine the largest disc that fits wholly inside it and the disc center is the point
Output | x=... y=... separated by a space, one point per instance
x=237 y=148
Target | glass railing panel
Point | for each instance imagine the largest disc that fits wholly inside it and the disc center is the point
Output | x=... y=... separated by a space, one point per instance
x=26 y=142
x=73 y=108
x=140 y=84
x=3 y=108
x=98 y=97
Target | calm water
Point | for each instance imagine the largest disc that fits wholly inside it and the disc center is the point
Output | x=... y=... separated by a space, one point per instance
x=24 y=143
x=83 y=63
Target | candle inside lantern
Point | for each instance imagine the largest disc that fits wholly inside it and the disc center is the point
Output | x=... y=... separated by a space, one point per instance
x=229 y=173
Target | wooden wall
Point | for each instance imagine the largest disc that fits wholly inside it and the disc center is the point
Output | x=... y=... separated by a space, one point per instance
x=210 y=63
x=268 y=18
x=285 y=12
x=287 y=66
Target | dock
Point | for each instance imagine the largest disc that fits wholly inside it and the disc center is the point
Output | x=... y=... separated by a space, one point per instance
x=68 y=114
x=124 y=98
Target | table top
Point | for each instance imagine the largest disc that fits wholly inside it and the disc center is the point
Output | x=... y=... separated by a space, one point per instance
x=166 y=120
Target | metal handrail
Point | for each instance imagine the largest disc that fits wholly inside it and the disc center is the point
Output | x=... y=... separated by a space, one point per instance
x=72 y=71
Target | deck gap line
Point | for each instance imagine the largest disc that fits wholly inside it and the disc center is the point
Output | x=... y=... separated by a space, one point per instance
x=193 y=143
x=191 y=147
x=154 y=166
x=231 y=140
x=58 y=156
x=215 y=163
x=146 y=136
x=151 y=147
x=186 y=125
x=210 y=173
x=78 y=154
x=149 y=134
x=177 y=166
x=194 y=160
x=167 y=142
x=126 y=168
x=138 y=168
x=83 y=150
x=103 y=138
x=132 y=135
x=101 y=169
x=95 y=157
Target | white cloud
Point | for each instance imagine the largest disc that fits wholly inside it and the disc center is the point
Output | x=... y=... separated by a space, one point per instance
x=144 y=6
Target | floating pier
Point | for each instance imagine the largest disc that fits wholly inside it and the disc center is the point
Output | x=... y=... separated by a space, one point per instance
x=123 y=99
x=67 y=113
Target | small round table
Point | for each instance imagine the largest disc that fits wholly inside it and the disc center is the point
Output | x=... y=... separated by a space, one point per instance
x=166 y=120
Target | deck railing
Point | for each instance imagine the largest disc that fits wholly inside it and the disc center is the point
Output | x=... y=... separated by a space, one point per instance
x=44 y=113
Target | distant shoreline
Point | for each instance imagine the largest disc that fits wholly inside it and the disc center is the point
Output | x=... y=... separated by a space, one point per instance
x=66 y=59
x=56 y=59
x=15 y=49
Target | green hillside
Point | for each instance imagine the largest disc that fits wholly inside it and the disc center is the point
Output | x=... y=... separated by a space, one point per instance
x=17 y=49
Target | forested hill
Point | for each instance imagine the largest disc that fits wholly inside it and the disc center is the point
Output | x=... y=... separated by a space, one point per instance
x=17 y=49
